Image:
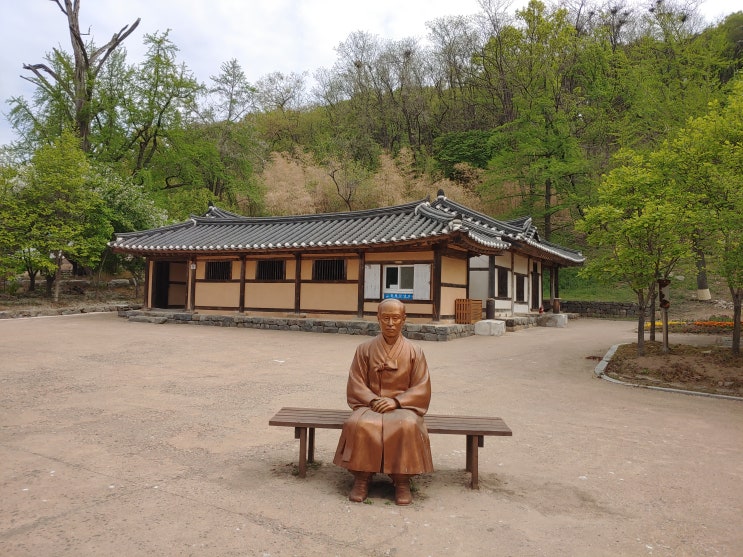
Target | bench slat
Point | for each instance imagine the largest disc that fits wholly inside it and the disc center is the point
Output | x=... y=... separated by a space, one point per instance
x=435 y=423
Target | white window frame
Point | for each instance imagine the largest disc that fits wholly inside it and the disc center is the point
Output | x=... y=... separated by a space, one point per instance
x=421 y=287
x=395 y=290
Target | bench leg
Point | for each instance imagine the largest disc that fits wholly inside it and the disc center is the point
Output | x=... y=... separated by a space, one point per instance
x=306 y=448
x=301 y=434
x=311 y=446
x=473 y=442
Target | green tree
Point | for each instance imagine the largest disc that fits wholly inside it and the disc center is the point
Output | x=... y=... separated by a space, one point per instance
x=662 y=73
x=707 y=160
x=48 y=113
x=127 y=208
x=65 y=217
x=281 y=108
x=539 y=149
x=641 y=228
x=11 y=228
x=230 y=148
x=472 y=147
x=162 y=92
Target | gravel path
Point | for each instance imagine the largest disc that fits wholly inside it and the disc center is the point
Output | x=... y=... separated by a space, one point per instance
x=121 y=438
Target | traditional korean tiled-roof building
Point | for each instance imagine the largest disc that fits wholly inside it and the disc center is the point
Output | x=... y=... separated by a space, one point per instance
x=428 y=253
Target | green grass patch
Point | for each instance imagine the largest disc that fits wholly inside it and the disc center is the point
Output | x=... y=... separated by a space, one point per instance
x=573 y=287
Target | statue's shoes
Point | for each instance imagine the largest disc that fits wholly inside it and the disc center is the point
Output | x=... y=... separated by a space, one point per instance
x=360 y=489
x=403 y=496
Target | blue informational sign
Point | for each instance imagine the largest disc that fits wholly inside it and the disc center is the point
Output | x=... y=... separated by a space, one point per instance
x=398 y=295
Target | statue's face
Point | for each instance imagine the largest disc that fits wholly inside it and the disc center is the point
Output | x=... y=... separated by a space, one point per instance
x=391 y=317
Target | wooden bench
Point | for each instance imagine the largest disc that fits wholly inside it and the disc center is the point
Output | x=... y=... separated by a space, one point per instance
x=306 y=420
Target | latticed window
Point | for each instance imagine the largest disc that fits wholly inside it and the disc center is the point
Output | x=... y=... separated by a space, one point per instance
x=271 y=269
x=329 y=269
x=218 y=270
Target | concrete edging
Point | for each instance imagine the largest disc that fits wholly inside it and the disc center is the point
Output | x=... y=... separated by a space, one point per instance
x=601 y=367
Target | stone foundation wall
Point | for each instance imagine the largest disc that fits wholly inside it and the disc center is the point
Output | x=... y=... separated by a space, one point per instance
x=600 y=309
x=413 y=331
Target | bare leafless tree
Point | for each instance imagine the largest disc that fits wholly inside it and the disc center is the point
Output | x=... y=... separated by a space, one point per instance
x=88 y=62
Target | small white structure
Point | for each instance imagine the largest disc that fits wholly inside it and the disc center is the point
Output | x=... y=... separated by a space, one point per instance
x=490 y=327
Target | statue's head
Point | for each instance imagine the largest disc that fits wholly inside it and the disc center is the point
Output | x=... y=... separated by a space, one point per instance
x=391 y=316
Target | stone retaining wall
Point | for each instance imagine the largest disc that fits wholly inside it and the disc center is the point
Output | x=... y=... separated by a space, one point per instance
x=413 y=331
x=600 y=309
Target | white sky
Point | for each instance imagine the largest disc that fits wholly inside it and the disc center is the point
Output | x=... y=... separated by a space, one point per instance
x=263 y=35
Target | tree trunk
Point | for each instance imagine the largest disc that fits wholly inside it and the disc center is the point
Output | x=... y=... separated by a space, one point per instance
x=653 y=317
x=737 y=303
x=641 y=324
x=547 y=209
x=49 y=284
x=702 y=285
x=57 y=277
x=664 y=316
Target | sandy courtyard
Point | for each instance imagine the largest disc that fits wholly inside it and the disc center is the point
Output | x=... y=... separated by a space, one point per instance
x=131 y=439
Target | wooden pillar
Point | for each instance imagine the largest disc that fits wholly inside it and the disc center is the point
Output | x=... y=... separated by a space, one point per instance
x=241 y=309
x=191 y=303
x=436 y=310
x=297 y=282
x=491 y=276
x=554 y=277
x=467 y=277
x=361 y=285
x=147 y=284
x=512 y=286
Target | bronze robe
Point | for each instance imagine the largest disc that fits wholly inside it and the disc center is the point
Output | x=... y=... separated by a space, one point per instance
x=393 y=442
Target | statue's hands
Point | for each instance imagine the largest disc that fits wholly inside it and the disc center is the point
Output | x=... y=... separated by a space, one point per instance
x=383 y=405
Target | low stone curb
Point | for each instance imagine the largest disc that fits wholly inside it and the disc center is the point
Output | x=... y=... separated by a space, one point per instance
x=600 y=369
x=49 y=312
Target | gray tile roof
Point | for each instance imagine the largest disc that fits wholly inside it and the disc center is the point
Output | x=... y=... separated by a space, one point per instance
x=220 y=231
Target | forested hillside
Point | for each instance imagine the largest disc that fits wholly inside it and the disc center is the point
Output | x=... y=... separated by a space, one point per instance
x=514 y=114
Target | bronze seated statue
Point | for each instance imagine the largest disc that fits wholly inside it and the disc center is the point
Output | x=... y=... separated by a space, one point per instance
x=389 y=390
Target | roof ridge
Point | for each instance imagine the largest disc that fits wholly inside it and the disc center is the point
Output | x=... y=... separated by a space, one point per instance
x=508 y=227
x=186 y=223
x=340 y=215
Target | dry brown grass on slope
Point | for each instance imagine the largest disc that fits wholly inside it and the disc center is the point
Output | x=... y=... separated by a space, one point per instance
x=296 y=184
x=290 y=186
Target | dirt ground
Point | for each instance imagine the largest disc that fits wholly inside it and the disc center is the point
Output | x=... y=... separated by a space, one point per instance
x=709 y=368
x=121 y=438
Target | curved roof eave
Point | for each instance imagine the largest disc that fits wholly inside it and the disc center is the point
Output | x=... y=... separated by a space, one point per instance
x=550 y=251
x=269 y=248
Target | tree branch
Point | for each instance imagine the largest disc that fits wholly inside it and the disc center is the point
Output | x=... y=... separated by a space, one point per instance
x=60 y=6
x=44 y=82
x=111 y=45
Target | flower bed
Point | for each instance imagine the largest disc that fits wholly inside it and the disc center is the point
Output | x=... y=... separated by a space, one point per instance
x=703 y=327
